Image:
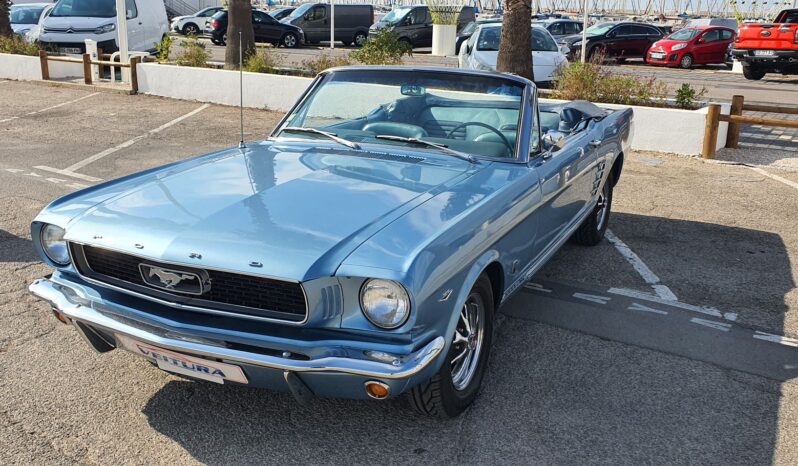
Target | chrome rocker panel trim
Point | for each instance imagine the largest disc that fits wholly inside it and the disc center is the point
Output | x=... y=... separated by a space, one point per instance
x=59 y=298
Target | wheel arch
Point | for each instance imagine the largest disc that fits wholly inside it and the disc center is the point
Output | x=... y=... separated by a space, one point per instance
x=617 y=166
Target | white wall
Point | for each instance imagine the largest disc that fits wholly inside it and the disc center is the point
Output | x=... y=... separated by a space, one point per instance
x=275 y=92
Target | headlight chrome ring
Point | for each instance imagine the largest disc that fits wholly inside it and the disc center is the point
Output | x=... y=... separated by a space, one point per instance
x=54 y=245
x=385 y=303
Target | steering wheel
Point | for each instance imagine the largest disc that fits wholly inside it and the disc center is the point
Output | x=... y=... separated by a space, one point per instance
x=502 y=137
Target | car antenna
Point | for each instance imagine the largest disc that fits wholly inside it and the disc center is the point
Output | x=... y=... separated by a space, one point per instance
x=241 y=144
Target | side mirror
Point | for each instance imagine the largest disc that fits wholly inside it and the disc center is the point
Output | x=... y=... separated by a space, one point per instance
x=553 y=141
x=611 y=35
x=565 y=50
x=700 y=40
x=129 y=14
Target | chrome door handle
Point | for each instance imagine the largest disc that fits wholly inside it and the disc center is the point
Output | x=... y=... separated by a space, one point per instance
x=595 y=142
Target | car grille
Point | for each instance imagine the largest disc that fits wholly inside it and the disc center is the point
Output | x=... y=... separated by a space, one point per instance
x=247 y=295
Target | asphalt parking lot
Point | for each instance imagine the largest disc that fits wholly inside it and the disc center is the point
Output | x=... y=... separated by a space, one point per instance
x=675 y=341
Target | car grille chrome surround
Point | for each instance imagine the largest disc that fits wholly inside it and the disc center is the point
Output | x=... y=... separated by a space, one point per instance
x=249 y=296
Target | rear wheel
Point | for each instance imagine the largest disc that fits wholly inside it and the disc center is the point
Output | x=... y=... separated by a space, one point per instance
x=457 y=383
x=591 y=232
x=753 y=73
x=360 y=39
x=686 y=62
x=406 y=43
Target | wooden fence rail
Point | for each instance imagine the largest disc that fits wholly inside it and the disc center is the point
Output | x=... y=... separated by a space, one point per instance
x=87 y=62
x=736 y=118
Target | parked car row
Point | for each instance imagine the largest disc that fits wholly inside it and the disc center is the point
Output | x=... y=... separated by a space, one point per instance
x=27 y=19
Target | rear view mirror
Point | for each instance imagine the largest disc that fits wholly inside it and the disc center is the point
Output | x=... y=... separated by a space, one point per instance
x=413 y=90
x=553 y=141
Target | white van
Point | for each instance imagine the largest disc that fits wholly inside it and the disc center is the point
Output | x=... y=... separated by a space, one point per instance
x=72 y=21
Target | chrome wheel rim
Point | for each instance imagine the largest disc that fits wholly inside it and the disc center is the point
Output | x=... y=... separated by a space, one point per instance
x=289 y=40
x=360 y=39
x=191 y=30
x=601 y=207
x=467 y=343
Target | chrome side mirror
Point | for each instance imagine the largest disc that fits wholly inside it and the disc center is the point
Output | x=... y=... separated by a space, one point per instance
x=565 y=50
x=553 y=141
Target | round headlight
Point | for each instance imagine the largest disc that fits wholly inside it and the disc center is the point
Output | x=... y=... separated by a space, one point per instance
x=54 y=245
x=385 y=303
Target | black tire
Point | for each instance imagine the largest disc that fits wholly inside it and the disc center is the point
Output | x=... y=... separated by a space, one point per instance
x=360 y=39
x=591 y=231
x=593 y=53
x=215 y=42
x=686 y=62
x=191 y=29
x=754 y=74
x=406 y=42
x=439 y=396
x=289 y=40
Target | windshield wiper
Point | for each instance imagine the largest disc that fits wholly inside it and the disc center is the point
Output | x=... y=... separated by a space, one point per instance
x=421 y=142
x=333 y=136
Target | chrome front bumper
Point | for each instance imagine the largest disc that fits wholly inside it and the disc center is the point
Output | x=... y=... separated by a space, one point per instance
x=80 y=309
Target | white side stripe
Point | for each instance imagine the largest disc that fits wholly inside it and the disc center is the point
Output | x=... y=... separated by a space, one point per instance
x=593 y=298
x=641 y=307
x=776 y=339
x=711 y=324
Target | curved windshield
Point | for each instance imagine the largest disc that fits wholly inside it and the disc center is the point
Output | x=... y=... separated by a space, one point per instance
x=541 y=40
x=23 y=14
x=427 y=110
x=684 y=34
x=599 y=29
x=395 y=15
x=301 y=11
x=469 y=28
x=87 y=8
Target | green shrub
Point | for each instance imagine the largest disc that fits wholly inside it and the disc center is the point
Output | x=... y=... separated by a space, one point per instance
x=593 y=82
x=686 y=96
x=262 y=61
x=383 y=49
x=192 y=53
x=17 y=46
x=163 y=49
x=322 y=62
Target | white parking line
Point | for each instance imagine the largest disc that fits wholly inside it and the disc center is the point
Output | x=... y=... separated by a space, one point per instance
x=711 y=324
x=776 y=339
x=687 y=307
x=79 y=176
x=36 y=112
x=790 y=183
x=76 y=166
x=648 y=276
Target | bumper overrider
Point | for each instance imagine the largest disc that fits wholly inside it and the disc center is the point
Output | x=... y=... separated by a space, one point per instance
x=106 y=326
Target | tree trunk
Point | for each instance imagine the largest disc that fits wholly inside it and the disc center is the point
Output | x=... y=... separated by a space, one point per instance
x=5 y=18
x=515 y=48
x=239 y=19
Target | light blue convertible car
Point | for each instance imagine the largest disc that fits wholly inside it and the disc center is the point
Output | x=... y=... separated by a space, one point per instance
x=361 y=251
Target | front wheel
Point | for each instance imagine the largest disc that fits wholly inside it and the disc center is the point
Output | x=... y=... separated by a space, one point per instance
x=591 y=231
x=686 y=62
x=449 y=392
x=290 y=40
x=191 y=29
x=360 y=39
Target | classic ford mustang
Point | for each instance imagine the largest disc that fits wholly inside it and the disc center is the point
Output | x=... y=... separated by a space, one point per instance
x=361 y=251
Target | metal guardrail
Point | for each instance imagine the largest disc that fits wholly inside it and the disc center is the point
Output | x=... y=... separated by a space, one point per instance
x=87 y=62
x=736 y=118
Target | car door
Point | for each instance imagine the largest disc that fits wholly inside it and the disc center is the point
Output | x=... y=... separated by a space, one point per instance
x=638 y=42
x=136 y=30
x=705 y=44
x=617 y=40
x=419 y=27
x=726 y=38
x=556 y=30
x=566 y=178
x=316 y=24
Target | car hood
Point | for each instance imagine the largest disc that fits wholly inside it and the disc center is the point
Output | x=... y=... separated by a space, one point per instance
x=77 y=22
x=666 y=44
x=290 y=210
x=570 y=40
x=540 y=59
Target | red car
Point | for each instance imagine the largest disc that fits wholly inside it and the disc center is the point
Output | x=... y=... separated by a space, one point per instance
x=695 y=45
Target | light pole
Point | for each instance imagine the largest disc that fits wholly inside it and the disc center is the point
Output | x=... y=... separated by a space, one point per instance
x=121 y=41
x=584 y=29
x=332 y=24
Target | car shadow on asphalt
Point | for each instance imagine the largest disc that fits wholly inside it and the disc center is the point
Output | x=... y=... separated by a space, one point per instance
x=16 y=249
x=550 y=395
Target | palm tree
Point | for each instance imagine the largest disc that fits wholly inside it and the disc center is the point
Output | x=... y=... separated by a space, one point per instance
x=5 y=18
x=239 y=19
x=515 y=53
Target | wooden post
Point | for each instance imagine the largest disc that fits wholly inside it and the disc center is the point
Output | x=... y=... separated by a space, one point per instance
x=45 y=68
x=87 y=68
x=733 y=134
x=100 y=68
x=711 y=131
x=134 y=75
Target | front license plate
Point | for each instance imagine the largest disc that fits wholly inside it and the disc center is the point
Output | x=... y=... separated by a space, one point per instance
x=658 y=56
x=178 y=363
x=71 y=50
x=764 y=53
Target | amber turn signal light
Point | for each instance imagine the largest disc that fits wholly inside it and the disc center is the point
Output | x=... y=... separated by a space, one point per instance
x=377 y=390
